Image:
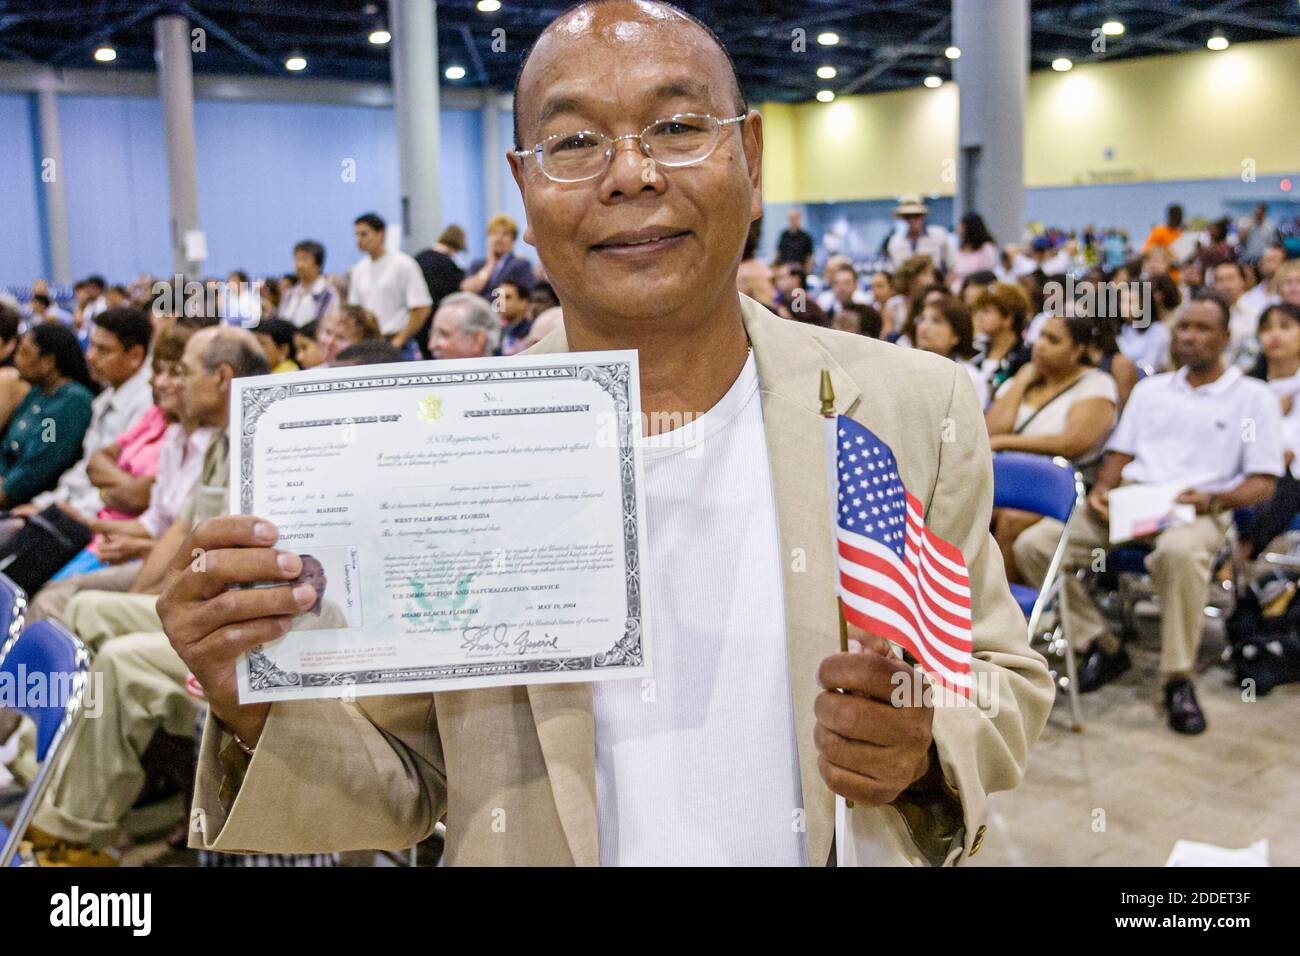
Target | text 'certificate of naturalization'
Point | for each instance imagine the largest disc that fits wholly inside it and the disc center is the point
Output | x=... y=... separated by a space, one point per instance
x=464 y=523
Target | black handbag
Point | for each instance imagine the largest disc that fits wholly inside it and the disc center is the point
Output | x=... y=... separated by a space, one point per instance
x=45 y=543
x=1264 y=633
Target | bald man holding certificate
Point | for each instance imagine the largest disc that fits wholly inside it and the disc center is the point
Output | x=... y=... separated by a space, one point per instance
x=639 y=163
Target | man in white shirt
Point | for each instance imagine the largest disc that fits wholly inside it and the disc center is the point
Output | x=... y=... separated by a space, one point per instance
x=734 y=751
x=1264 y=293
x=95 y=302
x=916 y=238
x=1206 y=425
x=464 y=326
x=1230 y=284
x=312 y=296
x=845 y=291
x=388 y=283
x=119 y=348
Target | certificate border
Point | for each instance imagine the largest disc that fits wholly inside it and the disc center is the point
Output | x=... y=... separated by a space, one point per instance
x=628 y=651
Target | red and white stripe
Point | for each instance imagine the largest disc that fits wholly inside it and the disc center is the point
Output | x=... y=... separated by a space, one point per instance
x=921 y=603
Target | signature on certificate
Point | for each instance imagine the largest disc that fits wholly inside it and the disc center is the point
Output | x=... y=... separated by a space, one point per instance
x=492 y=640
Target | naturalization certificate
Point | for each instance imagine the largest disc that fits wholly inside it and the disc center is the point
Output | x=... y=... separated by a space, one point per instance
x=467 y=523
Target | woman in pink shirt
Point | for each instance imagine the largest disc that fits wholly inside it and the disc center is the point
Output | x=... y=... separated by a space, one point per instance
x=125 y=471
x=976 y=250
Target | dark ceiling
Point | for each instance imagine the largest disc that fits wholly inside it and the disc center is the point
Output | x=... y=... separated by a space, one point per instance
x=884 y=44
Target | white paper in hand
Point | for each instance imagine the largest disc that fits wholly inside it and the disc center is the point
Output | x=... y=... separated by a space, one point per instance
x=1140 y=510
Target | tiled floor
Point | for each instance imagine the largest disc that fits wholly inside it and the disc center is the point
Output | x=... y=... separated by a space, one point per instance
x=1126 y=789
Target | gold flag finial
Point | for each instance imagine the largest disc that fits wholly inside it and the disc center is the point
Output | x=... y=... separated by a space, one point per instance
x=827 y=394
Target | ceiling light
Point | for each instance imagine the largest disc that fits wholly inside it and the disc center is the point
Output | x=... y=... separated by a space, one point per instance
x=455 y=73
x=105 y=53
x=825 y=96
x=828 y=38
x=296 y=63
x=488 y=6
x=1217 y=42
x=826 y=72
x=379 y=36
x=1112 y=28
x=933 y=82
x=1062 y=64
x=953 y=53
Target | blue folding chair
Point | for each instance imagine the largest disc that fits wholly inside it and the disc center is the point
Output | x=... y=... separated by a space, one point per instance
x=13 y=611
x=1052 y=488
x=46 y=648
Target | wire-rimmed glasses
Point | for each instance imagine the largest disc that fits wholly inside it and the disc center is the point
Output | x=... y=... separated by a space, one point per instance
x=682 y=139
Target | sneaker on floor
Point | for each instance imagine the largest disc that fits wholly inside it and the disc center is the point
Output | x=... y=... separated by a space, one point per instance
x=1185 y=714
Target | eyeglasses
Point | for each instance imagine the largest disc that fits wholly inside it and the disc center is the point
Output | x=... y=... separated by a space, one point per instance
x=680 y=140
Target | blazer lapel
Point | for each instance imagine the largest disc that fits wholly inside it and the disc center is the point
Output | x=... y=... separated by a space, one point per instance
x=789 y=374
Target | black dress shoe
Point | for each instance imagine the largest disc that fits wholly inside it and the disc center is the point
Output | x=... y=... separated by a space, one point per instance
x=1098 y=668
x=1185 y=714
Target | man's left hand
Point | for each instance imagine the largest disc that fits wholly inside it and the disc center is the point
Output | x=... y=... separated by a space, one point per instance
x=871 y=750
x=1197 y=499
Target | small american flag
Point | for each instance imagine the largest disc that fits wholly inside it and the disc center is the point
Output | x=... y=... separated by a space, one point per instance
x=897 y=579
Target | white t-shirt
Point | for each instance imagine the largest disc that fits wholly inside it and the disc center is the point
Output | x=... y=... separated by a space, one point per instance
x=1052 y=417
x=1211 y=437
x=389 y=287
x=699 y=765
x=1148 y=347
x=934 y=242
x=1283 y=388
x=977 y=379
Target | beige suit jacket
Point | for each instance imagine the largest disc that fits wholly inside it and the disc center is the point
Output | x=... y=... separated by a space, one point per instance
x=511 y=770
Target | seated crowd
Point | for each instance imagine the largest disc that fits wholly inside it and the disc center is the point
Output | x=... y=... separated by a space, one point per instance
x=115 y=413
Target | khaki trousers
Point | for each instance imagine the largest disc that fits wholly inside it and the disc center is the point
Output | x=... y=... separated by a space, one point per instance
x=138 y=684
x=96 y=616
x=52 y=600
x=1180 y=572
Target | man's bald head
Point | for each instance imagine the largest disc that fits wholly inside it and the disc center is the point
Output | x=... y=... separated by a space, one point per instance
x=590 y=18
x=213 y=357
x=227 y=345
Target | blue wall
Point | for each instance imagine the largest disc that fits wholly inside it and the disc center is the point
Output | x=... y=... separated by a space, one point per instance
x=22 y=255
x=116 y=186
x=270 y=174
x=1136 y=207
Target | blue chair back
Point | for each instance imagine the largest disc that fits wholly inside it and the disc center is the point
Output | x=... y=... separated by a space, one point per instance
x=46 y=652
x=1035 y=483
x=13 y=611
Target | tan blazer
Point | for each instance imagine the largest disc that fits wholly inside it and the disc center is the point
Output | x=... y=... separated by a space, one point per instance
x=512 y=769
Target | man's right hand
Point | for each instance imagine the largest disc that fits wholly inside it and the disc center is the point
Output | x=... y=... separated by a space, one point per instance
x=210 y=625
x=1099 y=502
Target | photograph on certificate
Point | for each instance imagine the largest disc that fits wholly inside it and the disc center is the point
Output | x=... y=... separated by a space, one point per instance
x=464 y=523
x=332 y=573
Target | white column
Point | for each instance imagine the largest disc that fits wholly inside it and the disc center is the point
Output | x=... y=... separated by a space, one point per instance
x=55 y=201
x=176 y=90
x=414 y=26
x=993 y=36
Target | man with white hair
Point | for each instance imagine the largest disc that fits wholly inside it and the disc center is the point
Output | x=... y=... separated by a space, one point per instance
x=464 y=327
